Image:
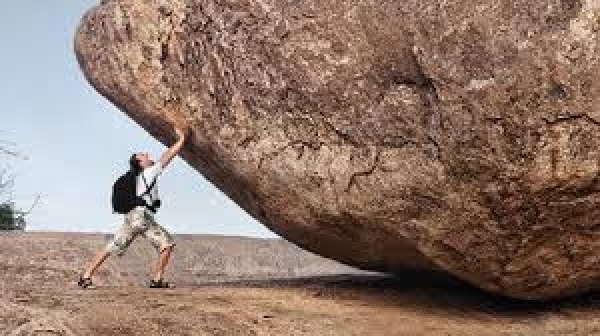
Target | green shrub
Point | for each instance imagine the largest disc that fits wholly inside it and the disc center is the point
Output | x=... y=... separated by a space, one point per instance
x=11 y=218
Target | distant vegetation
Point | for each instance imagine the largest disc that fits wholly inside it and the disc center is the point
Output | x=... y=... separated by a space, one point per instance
x=11 y=217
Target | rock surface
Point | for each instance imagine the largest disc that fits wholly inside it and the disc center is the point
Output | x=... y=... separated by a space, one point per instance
x=450 y=135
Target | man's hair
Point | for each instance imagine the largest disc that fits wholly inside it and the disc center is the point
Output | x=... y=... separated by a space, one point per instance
x=134 y=164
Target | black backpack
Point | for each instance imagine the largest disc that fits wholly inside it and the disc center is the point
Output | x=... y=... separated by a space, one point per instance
x=124 y=197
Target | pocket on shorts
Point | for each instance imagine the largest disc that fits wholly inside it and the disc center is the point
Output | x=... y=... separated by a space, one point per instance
x=137 y=220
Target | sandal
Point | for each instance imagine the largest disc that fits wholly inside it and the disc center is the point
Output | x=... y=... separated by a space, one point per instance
x=159 y=284
x=85 y=283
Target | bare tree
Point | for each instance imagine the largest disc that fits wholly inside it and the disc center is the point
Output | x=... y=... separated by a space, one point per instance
x=11 y=217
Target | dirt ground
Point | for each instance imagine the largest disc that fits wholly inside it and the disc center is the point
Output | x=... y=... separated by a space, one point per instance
x=242 y=286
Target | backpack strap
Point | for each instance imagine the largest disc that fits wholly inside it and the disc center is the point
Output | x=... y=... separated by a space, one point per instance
x=148 y=188
x=155 y=203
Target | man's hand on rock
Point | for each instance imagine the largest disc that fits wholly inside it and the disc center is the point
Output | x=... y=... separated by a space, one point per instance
x=168 y=155
x=180 y=133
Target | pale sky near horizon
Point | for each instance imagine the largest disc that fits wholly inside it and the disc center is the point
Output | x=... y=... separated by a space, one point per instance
x=77 y=143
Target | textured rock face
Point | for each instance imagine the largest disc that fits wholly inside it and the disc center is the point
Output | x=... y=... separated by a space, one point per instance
x=452 y=135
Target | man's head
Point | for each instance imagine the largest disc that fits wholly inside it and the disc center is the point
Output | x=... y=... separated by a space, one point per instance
x=140 y=161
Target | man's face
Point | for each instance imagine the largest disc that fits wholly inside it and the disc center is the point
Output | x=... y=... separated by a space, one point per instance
x=144 y=160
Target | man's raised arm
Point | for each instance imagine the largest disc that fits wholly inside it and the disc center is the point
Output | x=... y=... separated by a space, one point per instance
x=170 y=153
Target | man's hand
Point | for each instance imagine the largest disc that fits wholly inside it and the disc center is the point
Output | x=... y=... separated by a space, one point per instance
x=180 y=133
x=170 y=153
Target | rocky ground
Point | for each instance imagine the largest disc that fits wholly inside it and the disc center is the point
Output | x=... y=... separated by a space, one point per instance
x=242 y=286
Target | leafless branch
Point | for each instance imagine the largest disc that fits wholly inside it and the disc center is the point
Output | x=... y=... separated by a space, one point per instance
x=35 y=202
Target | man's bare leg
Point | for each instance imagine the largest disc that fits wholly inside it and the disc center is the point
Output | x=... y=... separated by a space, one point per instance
x=98 y=260
x=161 y=264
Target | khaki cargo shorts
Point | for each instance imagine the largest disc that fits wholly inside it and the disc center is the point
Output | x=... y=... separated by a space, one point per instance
x=139 y=222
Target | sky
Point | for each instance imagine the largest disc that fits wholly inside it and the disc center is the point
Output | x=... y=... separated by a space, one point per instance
x=73 y=143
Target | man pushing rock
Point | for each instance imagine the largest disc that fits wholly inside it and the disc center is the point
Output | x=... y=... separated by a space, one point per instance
x=135 y=195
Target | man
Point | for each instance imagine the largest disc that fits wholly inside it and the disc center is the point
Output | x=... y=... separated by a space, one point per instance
x=141 y=220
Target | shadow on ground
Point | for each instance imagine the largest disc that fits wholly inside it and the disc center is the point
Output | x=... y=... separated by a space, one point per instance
x=432 y=290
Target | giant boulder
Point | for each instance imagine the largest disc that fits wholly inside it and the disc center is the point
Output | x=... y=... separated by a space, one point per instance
x=460 y=136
